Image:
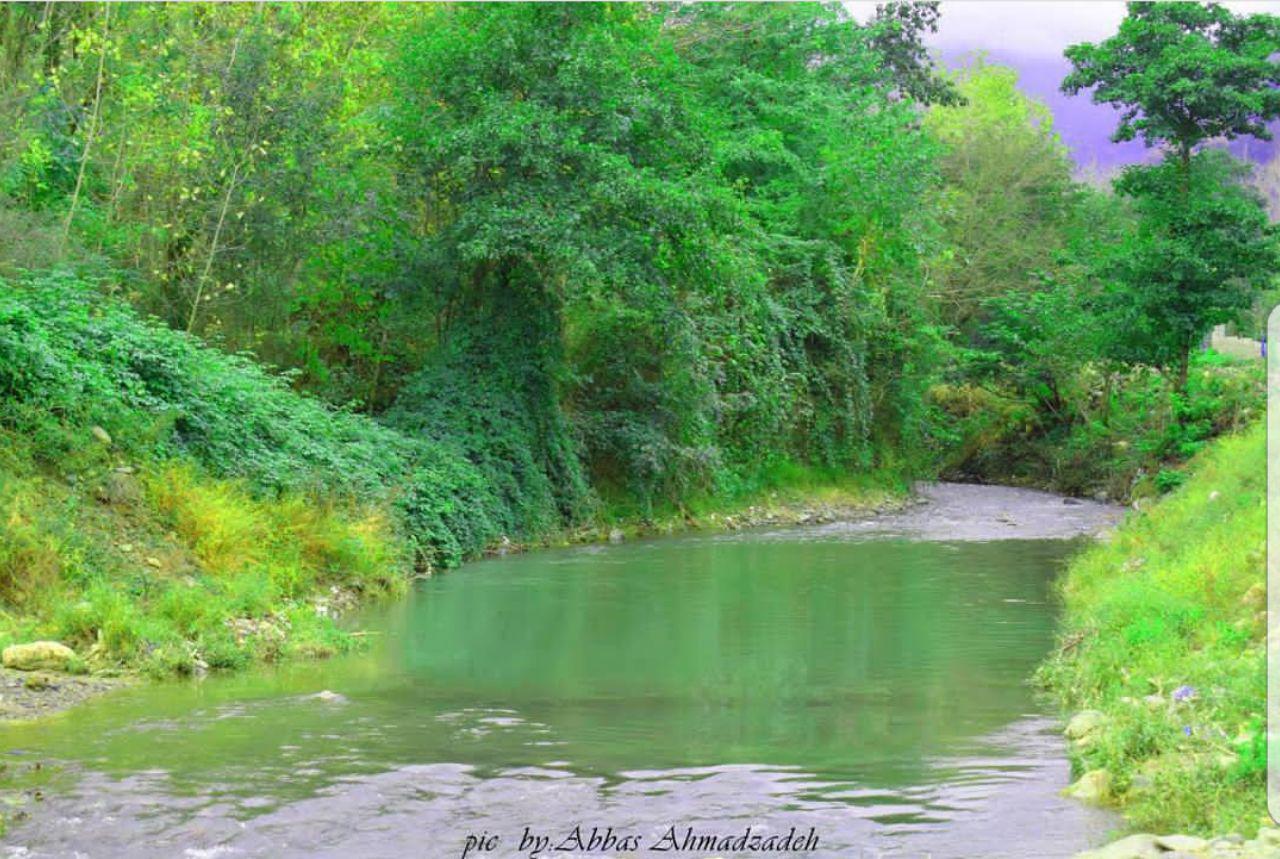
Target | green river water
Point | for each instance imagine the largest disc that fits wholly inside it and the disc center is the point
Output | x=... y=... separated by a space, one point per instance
x=868 y=685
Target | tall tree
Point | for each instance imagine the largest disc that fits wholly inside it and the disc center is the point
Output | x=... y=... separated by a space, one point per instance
x=1203 y=248
x=1184 y=73
x=1006 y=201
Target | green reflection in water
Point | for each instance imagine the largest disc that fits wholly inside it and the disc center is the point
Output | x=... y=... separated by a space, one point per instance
x=854 y=661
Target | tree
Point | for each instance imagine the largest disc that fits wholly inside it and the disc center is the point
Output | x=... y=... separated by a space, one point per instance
x=713 y=208
x=1007 y=199
x=1184 y=73
x=898 y=35
x=1202 y=249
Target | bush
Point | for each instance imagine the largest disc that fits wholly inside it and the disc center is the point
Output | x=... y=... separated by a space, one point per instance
x=1121 y=437
x=70 y=360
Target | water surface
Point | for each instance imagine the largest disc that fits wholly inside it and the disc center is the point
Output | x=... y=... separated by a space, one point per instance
x=865 y=682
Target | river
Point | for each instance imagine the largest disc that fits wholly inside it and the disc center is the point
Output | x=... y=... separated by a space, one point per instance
x=864 y=682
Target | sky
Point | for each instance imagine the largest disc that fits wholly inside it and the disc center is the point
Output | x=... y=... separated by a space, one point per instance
x=1030 y=36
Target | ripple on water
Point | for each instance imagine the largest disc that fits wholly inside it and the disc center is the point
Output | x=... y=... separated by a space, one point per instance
x=873 y=689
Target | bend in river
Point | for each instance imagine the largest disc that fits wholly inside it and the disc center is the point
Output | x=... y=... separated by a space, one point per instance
x=867 y=680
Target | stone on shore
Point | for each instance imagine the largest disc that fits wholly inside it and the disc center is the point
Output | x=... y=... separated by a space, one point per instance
x=1093 y=787
x=1138 y=846
x=1184 y=843
x=1083 y=724
x=38 y=656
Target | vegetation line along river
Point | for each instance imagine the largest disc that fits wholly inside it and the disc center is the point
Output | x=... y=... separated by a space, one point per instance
x=867 y=679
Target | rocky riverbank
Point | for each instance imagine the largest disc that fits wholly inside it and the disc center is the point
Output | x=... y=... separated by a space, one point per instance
x=1145 y=846
x=35 y=694
x=1162 y=662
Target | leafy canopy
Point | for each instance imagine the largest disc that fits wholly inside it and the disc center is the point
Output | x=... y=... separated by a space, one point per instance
x=1203 y=248
x=1184 y=73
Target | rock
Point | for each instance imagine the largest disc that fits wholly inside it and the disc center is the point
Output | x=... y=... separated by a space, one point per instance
x=1084 y=723
x=100 y=434
x=39 y=682
x=46 y=655
x=119 y=489
x=154 y=562
x=329 y=697
x=616 y=536
x=1072 y=501
x=1214 y=495
x=1255 y=598
x=125 y=547
x=1269 y=836
x=1137 y=846
x=1093 y=787
x=1184 y=843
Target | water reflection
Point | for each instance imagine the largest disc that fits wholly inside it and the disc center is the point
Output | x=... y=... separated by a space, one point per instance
x=873 y=690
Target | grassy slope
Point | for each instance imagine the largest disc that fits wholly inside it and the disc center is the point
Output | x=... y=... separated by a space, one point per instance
x=166 y=506
x=170 y=570
x=1176 y=600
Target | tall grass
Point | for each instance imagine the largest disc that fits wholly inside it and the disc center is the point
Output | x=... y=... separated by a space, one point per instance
x=1165 y=634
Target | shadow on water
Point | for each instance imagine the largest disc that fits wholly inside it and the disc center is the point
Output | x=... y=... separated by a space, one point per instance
x=874 y=689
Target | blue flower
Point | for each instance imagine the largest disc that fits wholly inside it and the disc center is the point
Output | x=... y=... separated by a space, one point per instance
x=1183 y=693
x=1186 y=729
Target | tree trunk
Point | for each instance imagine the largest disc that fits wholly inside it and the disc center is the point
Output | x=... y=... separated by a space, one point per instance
x=1184 y=365
x=213 y=249
x=89 y=133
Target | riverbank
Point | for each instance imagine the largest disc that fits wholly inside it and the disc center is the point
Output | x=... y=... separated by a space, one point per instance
x=310 y=626
x=813 y=675
x=1162 y=658
x=169 y=509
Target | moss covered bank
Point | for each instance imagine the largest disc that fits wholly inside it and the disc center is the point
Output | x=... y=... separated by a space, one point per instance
x=1163 y=658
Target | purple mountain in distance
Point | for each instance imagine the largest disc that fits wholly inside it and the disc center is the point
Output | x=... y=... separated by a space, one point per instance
x=1085 y=127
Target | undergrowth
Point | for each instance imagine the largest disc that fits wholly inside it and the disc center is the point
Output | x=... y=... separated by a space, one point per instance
x=1129 y=440
x=164 y=568
x=1165 y=635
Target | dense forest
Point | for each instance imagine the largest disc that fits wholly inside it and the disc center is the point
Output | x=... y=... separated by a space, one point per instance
x=299 y=301
x=517 y=268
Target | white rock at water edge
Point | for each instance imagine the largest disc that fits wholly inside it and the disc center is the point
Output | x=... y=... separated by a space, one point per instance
x=1083 y=723
x=38 y=656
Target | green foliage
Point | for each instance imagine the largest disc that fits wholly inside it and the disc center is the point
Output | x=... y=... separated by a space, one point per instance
x=1165 y=635
x=899 y=30
x=1008 y=204
x=1203 y=250
x=718 y=227
x=1115 y=430
x=69 y=361
x=1184 y=73
x=1067 y=297
x=489 y=396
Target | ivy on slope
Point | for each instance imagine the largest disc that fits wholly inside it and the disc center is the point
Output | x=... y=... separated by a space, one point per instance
x=489 y=394
x=70 y=360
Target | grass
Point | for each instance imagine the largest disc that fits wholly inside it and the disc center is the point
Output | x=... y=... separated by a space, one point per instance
x=163 y=568
x=784 y=492
x=1165 y=635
